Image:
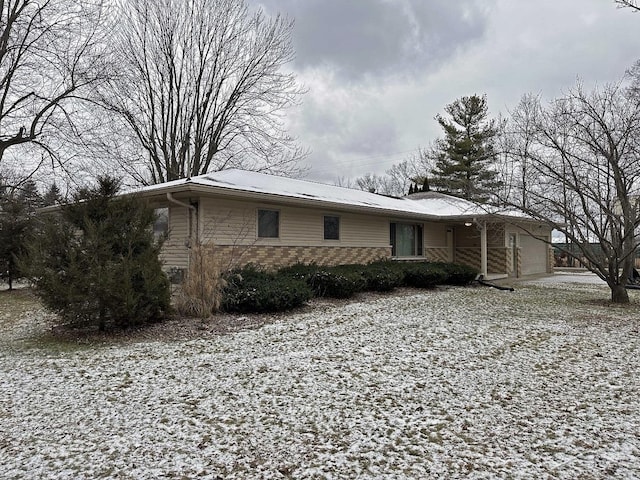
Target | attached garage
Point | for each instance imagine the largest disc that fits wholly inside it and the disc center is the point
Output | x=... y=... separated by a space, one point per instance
x=533 y=255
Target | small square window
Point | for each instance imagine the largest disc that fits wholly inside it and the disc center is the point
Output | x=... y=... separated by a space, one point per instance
x=331 y=227
x=268 y=223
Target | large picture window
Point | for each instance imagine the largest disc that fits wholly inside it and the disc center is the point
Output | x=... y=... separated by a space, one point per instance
x=268 y=223
x=331 y=227
x=406 y=240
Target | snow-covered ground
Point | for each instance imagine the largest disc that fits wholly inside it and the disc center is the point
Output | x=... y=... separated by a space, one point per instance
x=456 y=383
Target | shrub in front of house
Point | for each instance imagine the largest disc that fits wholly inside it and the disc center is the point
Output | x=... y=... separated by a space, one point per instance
x=251 y=289
x=423 y=275
x=341 y=281
x=301 y=271
x=457 y=274
x=383 y=276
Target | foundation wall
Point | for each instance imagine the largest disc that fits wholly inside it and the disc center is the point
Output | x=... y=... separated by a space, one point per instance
x=271 y=256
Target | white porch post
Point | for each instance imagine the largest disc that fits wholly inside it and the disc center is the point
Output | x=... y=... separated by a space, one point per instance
x=483 y=248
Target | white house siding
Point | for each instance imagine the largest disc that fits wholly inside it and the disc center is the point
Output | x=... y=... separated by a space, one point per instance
x=435 y=235
x=229 y=222
x=174 y=251
x=229 y=228
x=436 y=244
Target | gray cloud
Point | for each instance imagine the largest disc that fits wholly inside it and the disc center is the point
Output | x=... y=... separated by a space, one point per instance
x=360 y=39
x=378 y=71
x=343 y=126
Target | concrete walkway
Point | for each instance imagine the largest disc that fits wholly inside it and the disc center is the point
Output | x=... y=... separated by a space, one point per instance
x=569 y=277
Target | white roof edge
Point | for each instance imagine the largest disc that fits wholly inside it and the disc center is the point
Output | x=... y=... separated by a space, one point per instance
x=240 y=183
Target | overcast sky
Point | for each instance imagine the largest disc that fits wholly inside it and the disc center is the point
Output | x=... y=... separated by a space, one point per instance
x=378 y=71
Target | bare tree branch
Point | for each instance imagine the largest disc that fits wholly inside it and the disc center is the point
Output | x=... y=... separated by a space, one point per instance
x=203 y=87
x=582 y=174
x=634 y=4
x=51 y=55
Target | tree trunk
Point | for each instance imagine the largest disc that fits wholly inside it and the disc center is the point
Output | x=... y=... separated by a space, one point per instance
x=619 y=294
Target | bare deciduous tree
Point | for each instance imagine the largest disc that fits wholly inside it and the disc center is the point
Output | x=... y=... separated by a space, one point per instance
x=397 y=179
x=582 y=153
x=517 y=145
x=203 y=88
x=634 y=4
x=50 y=56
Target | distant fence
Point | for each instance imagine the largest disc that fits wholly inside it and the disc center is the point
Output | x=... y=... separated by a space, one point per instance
x=570 y=255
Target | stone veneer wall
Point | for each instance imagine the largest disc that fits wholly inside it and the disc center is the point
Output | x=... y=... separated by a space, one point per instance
x=497 y=258
x=437 y=254
x=273 y=256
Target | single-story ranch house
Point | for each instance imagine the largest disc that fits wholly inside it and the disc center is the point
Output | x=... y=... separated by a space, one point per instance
x=247 y=217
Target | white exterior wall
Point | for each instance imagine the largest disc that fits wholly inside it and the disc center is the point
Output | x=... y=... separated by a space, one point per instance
x=174 y=251
x=229 y=222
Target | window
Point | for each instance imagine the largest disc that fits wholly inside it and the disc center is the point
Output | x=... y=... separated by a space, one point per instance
x=268 y=223
x=331 y=227
x=406 y=240
x=161 y=223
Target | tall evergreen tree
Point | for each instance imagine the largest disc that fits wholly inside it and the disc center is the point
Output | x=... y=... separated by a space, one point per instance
x=96 y=263
x=425 y=184
x=17 y=225
x=464 y=158
x=52 y=196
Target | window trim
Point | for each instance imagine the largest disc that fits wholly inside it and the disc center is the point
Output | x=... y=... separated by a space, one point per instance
x=324 y=227
x=278 y=220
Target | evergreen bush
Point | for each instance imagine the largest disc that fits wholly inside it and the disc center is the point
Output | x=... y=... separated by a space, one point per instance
x=301 y=271
x=96 y=262
x=341 y=281
x=457 y=274
x=251 y=289
x=383 y=276
x=423 y=275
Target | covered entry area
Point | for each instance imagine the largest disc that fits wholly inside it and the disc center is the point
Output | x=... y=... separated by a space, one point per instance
x=497 y=248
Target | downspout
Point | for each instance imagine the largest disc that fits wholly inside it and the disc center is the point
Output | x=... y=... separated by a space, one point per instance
x=178 y=202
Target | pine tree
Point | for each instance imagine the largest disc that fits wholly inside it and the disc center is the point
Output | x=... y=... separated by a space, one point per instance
x=96 y=263
x=465 y=156
x=17 y=225
x=52 y=196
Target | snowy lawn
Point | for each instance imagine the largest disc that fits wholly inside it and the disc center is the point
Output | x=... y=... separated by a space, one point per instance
x=538 y=383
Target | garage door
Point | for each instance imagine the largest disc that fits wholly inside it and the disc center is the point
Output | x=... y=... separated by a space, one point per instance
x=533 y=254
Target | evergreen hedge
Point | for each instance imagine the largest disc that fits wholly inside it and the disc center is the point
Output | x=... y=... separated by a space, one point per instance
x=251 y=289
